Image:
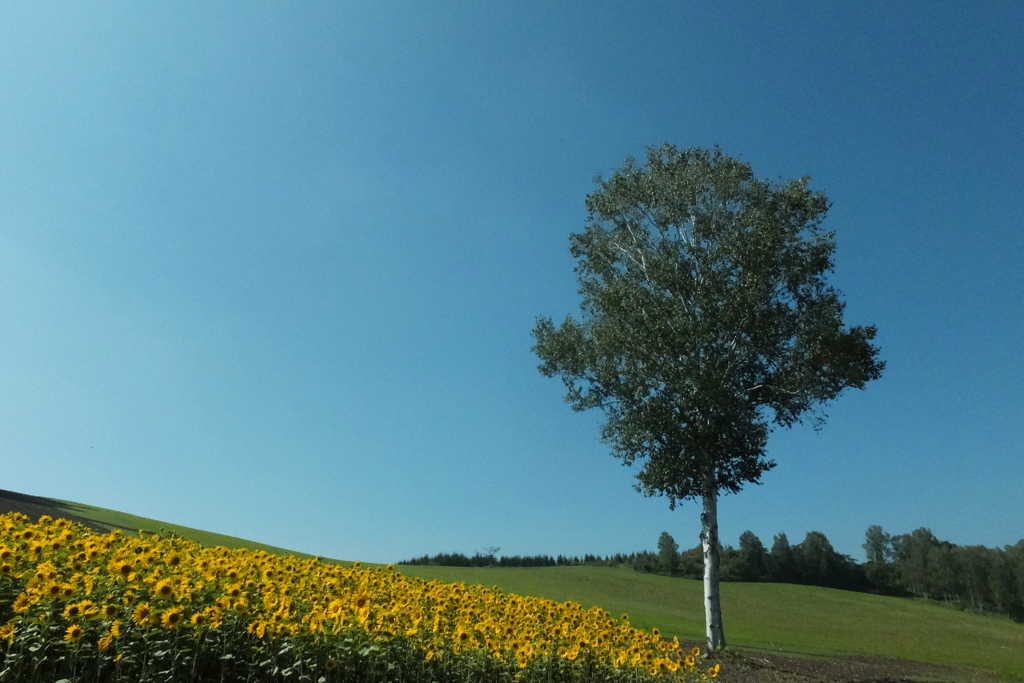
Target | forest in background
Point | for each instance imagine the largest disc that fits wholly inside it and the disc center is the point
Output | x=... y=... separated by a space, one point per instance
x=976 y=578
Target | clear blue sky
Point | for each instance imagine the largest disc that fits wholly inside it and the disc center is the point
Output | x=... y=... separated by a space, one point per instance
x=270 y=269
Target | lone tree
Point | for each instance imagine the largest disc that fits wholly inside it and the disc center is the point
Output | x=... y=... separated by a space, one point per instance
x=668 y=553
x=687 y=269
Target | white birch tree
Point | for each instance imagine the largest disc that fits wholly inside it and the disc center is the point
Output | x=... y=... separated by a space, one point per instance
x=688 y=267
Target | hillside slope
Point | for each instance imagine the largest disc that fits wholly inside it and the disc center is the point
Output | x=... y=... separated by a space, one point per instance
x=105 y=521
x=773 y=619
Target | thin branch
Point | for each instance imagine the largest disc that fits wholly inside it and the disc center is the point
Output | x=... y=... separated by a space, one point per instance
x=772 y=387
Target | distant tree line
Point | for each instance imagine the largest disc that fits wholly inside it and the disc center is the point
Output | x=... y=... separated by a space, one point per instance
x=480 y=560
x=908 y=565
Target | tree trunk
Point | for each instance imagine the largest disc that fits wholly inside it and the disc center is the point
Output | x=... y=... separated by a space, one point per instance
x=709 y=539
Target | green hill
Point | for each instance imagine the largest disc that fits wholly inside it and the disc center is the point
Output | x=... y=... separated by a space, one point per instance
x=758 y=616
x=104 y=520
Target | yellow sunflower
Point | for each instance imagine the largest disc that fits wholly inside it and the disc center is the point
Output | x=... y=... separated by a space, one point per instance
x=216 y=617
x=171 y=618
x=73 y=634
x=22 y=603
x=7 y=632
x=258 y=628
x=126 y=570
x=141 y=613
x=361 y=601
x=163 y=589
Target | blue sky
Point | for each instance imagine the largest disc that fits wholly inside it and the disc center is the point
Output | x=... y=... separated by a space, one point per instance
x=270 y=269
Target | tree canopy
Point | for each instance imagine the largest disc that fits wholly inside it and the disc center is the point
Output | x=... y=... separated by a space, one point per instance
x=688 y=268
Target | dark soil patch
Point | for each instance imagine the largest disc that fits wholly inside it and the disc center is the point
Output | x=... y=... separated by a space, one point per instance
x=35 y=507
x=743 y=665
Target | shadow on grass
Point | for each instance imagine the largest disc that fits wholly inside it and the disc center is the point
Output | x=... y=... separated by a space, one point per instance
x=35 y=507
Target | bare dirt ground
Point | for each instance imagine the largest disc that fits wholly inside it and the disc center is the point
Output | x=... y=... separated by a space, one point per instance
x=738 y=665
x=742 y=665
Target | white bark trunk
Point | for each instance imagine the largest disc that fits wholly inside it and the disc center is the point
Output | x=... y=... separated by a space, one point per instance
x=709 y=539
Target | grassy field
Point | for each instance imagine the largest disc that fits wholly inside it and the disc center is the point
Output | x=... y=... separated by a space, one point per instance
x=772 y=616
x=775 y=617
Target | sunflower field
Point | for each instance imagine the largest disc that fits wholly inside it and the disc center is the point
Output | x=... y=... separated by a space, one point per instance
x=82 y=607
